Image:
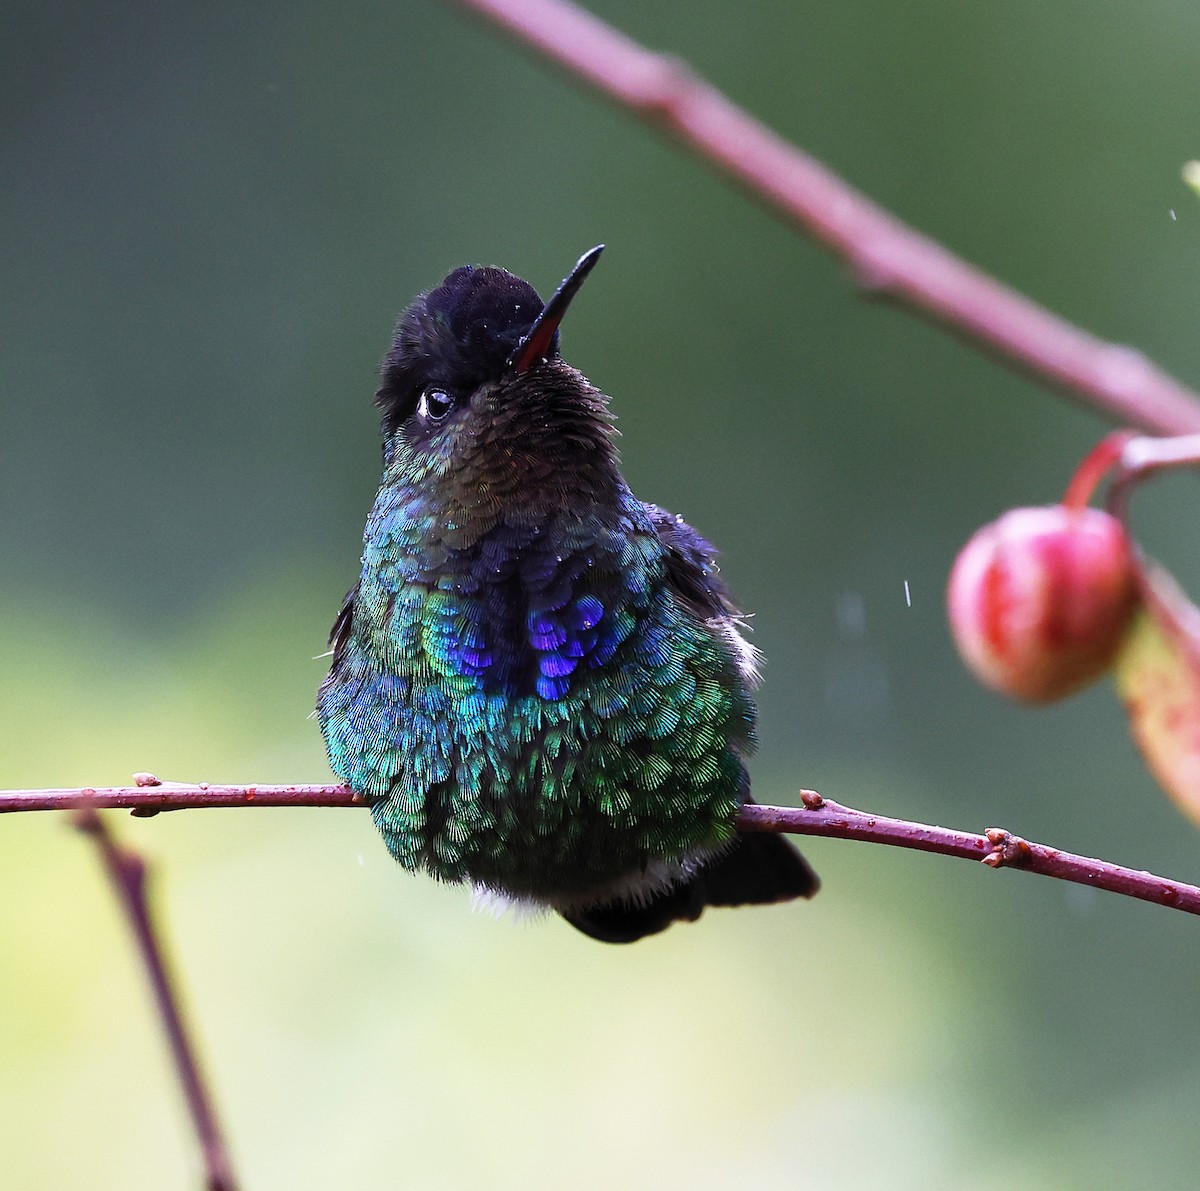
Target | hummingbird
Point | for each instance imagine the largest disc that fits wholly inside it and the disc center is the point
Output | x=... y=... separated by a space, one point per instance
x=540 y=684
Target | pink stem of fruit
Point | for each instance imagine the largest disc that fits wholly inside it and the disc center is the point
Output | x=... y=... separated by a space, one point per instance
x=1098 y=462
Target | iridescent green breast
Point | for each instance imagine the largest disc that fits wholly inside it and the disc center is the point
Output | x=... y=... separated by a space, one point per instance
x=534 y=709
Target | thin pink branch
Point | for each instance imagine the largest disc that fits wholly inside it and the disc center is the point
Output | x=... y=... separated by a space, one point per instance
x=150 y=796
x=127 y=873
x=996 y=847
x=888 y=257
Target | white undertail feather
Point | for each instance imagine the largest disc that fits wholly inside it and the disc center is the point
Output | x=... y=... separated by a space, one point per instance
x=485 y=900
x=635 y=889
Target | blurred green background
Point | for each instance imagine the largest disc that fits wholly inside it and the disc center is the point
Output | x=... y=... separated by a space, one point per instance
x=211 y=216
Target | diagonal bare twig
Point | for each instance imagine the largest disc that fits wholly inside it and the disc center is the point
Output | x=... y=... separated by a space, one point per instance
x=127 y=872
x=888 y=257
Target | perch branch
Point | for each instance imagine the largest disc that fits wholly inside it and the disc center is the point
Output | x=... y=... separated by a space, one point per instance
x=149 y=796
x=887 y=257
x=127 y=872
x=996 y=847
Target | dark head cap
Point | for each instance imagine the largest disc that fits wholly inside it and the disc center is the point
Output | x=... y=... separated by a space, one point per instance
x=480 y=324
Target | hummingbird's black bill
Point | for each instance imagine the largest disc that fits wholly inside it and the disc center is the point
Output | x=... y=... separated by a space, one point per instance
x=536 y=345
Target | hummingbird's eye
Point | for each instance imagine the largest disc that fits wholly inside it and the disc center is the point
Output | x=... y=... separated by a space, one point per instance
x=435 y=404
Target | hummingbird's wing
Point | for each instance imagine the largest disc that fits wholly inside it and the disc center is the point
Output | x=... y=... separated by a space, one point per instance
x=339 y=635
x=692 y=566
x=696 y=580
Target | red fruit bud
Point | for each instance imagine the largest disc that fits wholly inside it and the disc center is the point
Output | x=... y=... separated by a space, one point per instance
x=1040 y=600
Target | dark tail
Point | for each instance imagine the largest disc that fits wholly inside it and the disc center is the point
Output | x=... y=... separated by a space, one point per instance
x=757 y=870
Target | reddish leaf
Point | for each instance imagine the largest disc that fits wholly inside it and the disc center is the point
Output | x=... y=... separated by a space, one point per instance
x=1158 y=678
